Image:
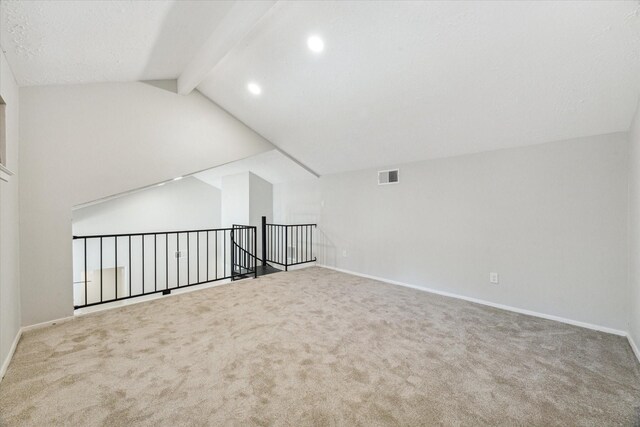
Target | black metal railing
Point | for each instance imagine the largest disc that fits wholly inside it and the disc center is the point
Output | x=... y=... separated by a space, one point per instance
x=288 y=244
x=243 y=252
x=115 y=267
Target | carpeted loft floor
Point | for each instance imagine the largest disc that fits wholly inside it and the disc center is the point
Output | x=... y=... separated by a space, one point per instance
x=318 y=347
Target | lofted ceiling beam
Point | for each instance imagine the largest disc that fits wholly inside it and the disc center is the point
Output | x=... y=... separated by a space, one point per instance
x=240 y=20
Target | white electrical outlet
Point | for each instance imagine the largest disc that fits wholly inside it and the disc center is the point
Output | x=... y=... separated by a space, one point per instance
x=493 y=278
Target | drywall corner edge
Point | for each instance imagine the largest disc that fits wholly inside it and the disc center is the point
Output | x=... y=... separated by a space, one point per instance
x=12 y=350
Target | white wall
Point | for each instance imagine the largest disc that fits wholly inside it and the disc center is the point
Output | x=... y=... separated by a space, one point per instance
x=235 y=199
x=634 y=228
x=260 y=203
x=83 y=142
x=297 y=202
x=260 y=200
x=245 y=198
x=551 y=219
x=187 y=204
x=9 y=223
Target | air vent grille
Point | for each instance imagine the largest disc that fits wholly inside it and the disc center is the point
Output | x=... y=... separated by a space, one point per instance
x=388 y=177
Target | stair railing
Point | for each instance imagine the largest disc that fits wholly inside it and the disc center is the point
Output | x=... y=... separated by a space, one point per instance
x=288 y=244
x=116 y=267
x=244 y=261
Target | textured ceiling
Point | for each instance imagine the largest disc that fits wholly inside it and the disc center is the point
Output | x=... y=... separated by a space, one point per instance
x=397 y=81
x=404 y=81
x=59 y=42
x=271 y=166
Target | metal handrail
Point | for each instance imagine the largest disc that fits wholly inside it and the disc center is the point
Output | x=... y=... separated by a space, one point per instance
x=277 y=242
x=151 y=233
x=249 y=267
x=277 y=239
x=295 y=225
x=158 y=278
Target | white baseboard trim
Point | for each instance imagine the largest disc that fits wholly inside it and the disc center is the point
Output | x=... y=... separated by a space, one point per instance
x=487 y=303
x=48 y=323
x=303 y=266
x=7 y=360
x=634 y=347
x=124 y=303
x=146 y=298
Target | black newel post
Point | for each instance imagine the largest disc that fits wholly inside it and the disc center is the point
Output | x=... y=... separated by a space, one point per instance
x=264 y=241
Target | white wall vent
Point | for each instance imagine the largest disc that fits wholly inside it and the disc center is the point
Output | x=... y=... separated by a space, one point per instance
x=389 y=177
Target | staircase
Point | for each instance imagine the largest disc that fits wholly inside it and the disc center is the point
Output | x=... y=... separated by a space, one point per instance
x=283 y=246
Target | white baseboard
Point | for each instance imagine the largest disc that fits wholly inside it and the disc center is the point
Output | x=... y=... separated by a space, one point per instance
x=303 y=266
x=634 y=347
x=7 y=360
x=487 y=303
x=146 y=298
x=48 y=323
x=12 y=350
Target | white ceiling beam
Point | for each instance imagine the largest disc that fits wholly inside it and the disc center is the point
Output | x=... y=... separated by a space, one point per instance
x=236 y=25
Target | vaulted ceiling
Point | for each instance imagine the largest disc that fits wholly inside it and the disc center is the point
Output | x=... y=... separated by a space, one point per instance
x=403 y=81
x=396 y=81
x=69 y=42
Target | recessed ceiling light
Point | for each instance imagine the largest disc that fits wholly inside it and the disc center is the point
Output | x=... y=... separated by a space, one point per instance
x=254 y=88
x=315 y=43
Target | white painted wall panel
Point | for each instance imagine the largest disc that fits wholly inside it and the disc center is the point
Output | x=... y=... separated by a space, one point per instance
x=551 y=219
x=187 y=204
x=235 y=199
x=260 y=203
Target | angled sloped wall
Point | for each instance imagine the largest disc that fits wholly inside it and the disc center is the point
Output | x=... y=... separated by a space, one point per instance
x=83 y=142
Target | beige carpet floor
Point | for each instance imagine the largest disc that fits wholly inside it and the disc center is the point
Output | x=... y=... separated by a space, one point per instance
x=318 y=347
